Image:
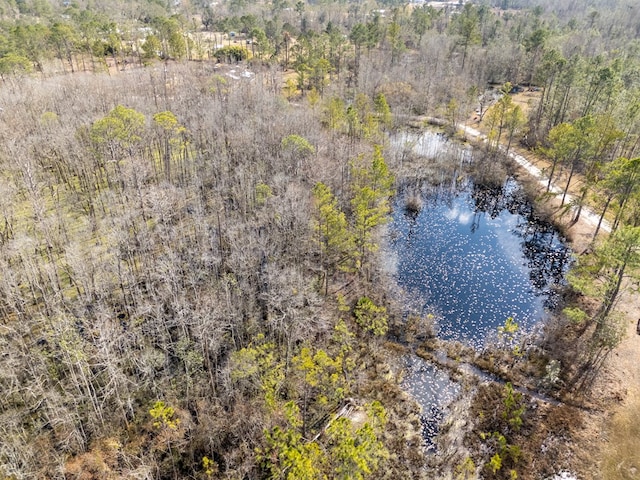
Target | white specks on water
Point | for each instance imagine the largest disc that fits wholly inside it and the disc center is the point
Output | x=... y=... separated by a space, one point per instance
x=434 y=391
x=476 y=269
x=473 y=257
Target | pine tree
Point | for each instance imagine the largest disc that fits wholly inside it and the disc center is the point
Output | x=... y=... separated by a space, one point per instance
x=335 y=240
x=372 y=186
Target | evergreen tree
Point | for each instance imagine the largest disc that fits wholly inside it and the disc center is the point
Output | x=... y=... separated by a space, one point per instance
x=371 y=188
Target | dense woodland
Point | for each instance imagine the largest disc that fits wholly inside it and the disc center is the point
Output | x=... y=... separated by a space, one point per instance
x=192 y=197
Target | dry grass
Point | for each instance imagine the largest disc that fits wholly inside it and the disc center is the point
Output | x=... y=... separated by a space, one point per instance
x=621 y=458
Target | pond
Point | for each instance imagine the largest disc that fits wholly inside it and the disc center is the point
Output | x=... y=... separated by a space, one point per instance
x=471 y=255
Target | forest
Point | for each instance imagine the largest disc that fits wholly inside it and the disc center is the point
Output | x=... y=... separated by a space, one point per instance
x=193 y=200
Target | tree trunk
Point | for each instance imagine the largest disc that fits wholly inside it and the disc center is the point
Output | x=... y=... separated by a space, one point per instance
x=566 y=188
x=611 y=296
x=553 y=169
x=604 y=210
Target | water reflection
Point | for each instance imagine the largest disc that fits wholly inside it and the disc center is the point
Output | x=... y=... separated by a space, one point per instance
x=471 y=254
x=431 y=145
x=429 y=155
x=475 y=255
x=434 y=391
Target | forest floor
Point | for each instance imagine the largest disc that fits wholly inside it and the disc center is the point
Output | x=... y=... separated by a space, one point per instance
x=608 y=444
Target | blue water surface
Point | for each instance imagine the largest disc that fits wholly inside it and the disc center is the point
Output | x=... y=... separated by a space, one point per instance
x=473 y=256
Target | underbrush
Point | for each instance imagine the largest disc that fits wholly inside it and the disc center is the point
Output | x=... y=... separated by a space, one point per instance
x=514 y=437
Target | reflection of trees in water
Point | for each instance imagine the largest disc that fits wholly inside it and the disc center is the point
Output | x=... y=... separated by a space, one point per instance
x=547 y=264
x=494 y=198
x=431 y=421
x=450 y=188
x=489 y=199
x=404 y=191
x=430 y=195
x=547 y=258
x=430 y=155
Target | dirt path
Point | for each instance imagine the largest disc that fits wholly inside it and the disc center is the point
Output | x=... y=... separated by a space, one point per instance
x=620 y=439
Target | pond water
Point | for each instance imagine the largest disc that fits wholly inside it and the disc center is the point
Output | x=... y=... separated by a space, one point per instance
x=471 y=255
x=434 y=390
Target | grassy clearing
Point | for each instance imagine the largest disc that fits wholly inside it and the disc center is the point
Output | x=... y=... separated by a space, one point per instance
x=621 y=458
